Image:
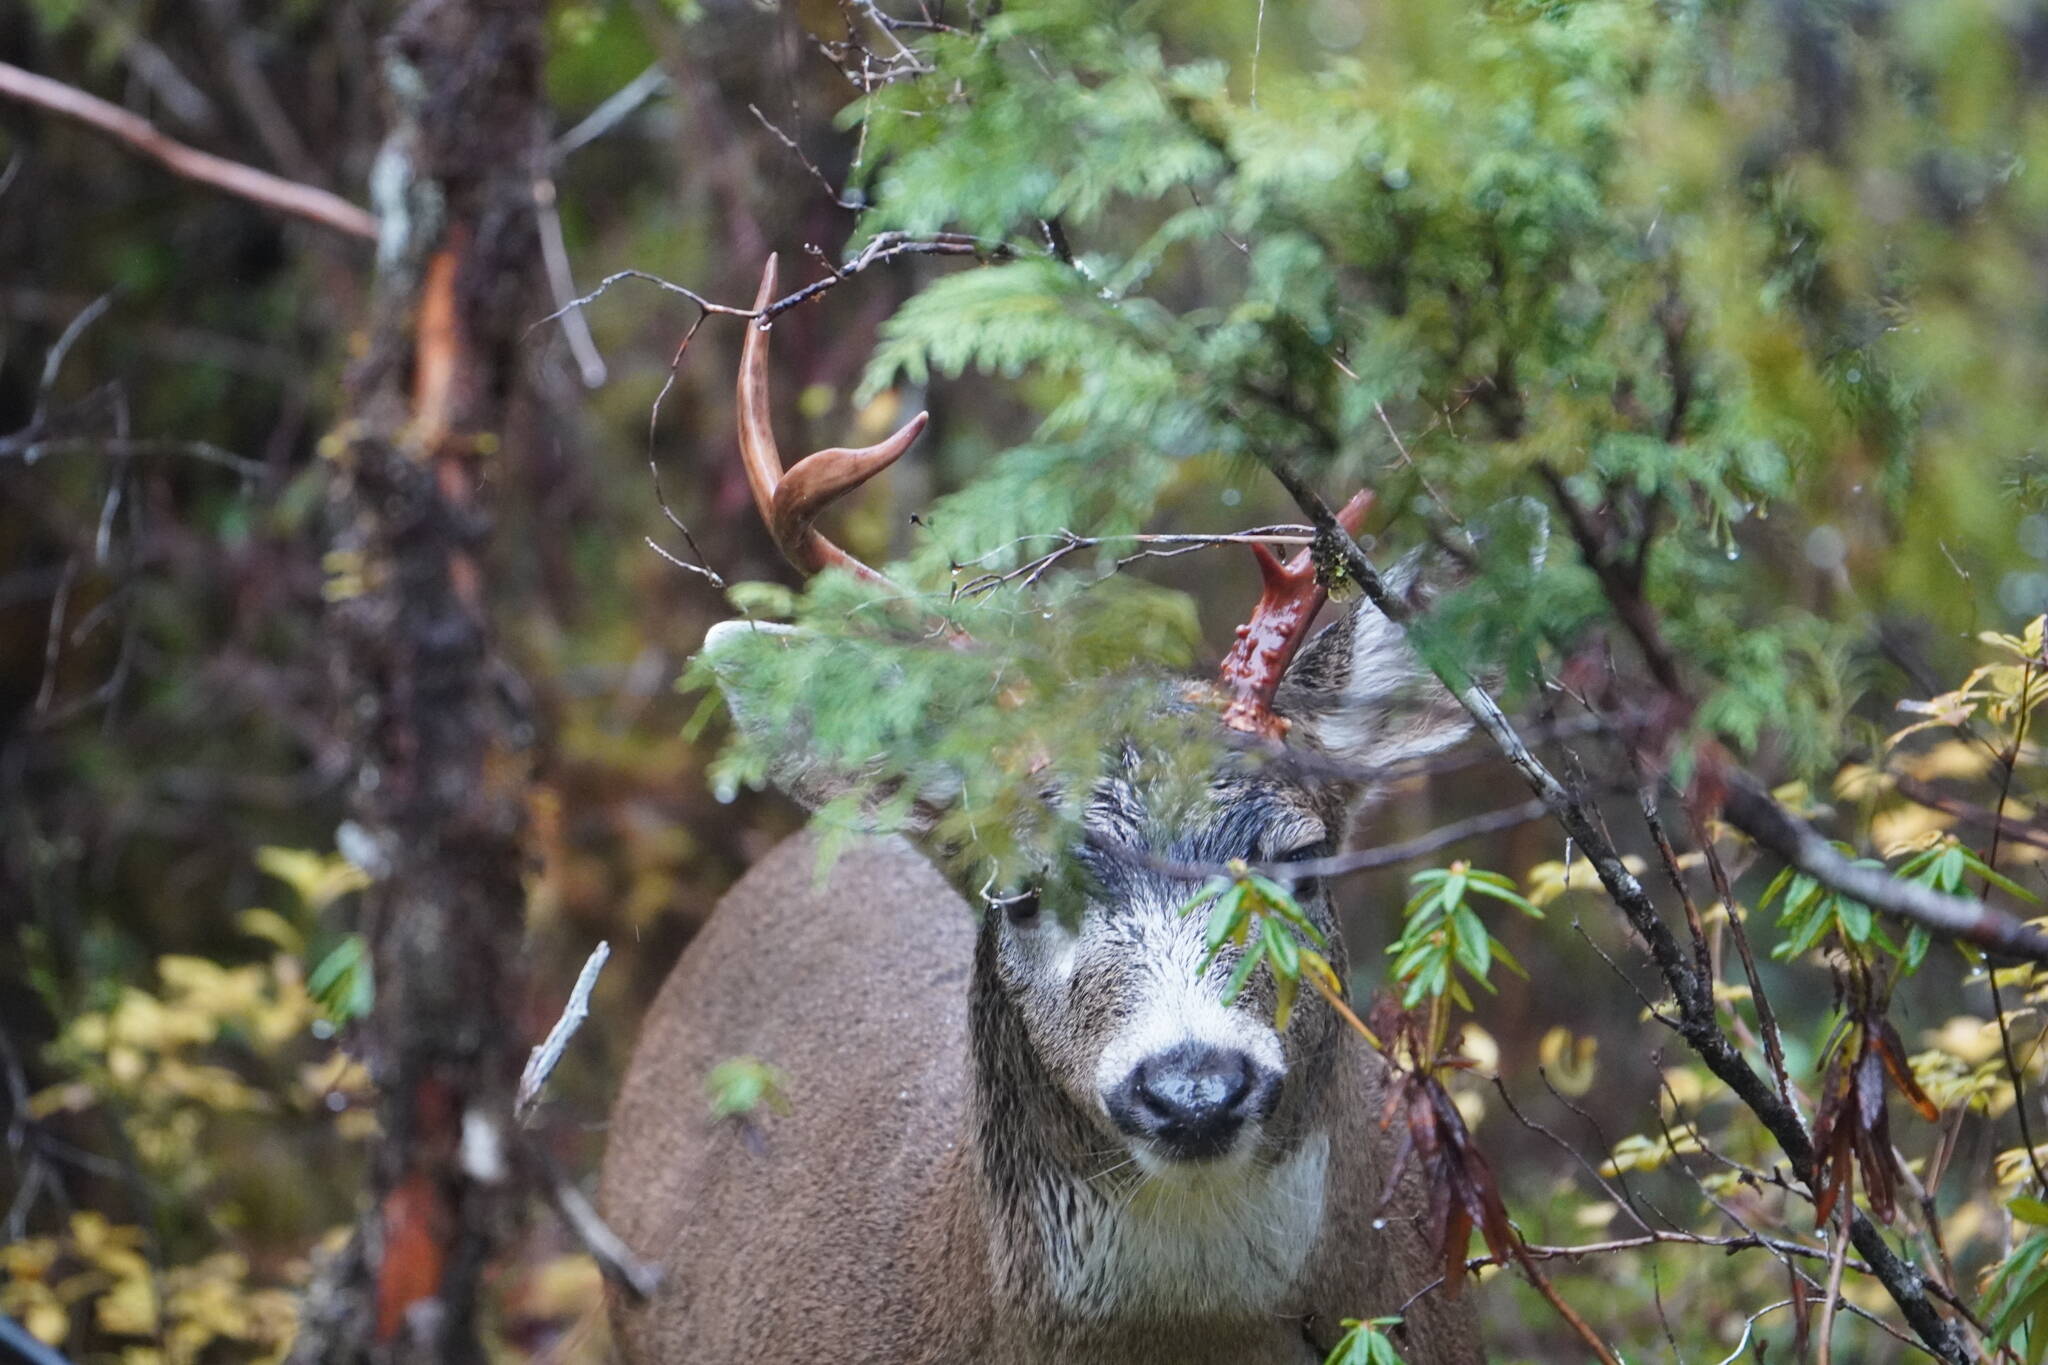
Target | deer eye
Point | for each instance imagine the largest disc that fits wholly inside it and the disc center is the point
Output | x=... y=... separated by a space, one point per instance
x=1318 y=847
x=1020 y=907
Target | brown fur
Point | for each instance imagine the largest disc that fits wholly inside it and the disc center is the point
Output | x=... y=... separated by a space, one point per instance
x=866 y=1224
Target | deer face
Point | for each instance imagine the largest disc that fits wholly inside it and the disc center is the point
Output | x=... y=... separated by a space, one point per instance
x=1121 y=1005
x=1124 y=1013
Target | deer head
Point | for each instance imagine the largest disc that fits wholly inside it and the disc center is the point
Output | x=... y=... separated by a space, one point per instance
x=1101 y=1043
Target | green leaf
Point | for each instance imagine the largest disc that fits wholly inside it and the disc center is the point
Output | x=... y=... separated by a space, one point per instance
x=1254 y=951
x=344 y=983
x=738 y=1086
x=1282 y=950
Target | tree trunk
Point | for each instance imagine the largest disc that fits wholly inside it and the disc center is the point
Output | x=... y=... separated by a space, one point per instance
x=440 y=783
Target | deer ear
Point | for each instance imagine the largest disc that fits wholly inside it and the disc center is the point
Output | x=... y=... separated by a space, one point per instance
x=795 y=766
x=1359 y=693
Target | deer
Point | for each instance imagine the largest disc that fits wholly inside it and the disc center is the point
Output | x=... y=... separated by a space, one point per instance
x=1017 y=1137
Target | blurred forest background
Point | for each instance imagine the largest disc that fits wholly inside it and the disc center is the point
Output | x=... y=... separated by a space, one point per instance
x=1760 y=288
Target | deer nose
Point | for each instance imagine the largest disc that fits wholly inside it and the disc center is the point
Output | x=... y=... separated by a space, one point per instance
x=1193 y=1099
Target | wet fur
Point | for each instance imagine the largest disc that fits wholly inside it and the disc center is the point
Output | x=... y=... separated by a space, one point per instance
x=943 y=1238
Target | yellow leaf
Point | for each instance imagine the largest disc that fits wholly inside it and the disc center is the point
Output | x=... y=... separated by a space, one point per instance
x=68 y=1098
x=129 y=1309
x=1546 y=881
x=563 y=1288
x=1683 y=1085
x=1966 y=1037
x=318 y=879
x=1596 y=1215
x=29 y=1259
x=1955 y=759
x=1861 y=782
x=47 y=1322
x=1906 y=828
x=1481 y=1047
x=1794 y=796
x=1568 y=1061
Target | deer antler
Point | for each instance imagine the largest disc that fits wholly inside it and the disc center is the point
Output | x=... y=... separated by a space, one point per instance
x=1292 y=595
x=790 y=501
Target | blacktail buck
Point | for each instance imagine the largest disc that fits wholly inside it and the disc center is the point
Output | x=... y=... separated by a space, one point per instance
x=1011 y=1138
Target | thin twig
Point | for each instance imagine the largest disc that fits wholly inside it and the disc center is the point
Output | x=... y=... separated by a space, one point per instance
x=615 y=1260
x=1623 y=1197
x=1836 y=1263
x=554 y=255
x=1558 y=1305
x=654 y=468
x=309 y=202
x=615 y=109
x=838 y=200
x=1749 y=1326
x=1032 y=570
x=541 y=1062
x=885 y=247
x=1766 y=1017
x=1337 y=865
x=1401 y=448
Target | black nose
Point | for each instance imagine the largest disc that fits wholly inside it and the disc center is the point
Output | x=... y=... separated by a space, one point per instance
x=1192 y=1099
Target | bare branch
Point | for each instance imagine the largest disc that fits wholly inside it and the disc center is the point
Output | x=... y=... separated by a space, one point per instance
x=1359 y=860
x=615 y=1260
x=886 y=247
x=260 y=187
x=554 y=254
x=839 y=200
x=616 y=109
x=1032 y=570
x=540 y=1064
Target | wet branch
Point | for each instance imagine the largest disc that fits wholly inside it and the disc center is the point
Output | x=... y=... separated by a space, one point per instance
x=309 y=202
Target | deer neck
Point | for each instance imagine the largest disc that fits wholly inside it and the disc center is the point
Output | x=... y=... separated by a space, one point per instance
x=1079 y=1237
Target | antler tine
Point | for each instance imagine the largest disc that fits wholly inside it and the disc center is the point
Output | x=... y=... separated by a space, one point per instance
x=1290 y=596
x=790 y=501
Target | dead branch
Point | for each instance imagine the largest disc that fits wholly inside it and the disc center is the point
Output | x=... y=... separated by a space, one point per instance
x=1032 y=570
x=554 y=255
x=886 y=247
x=541 y=1063
x=616 y=109
x=615 y=1260
x=260 y=187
